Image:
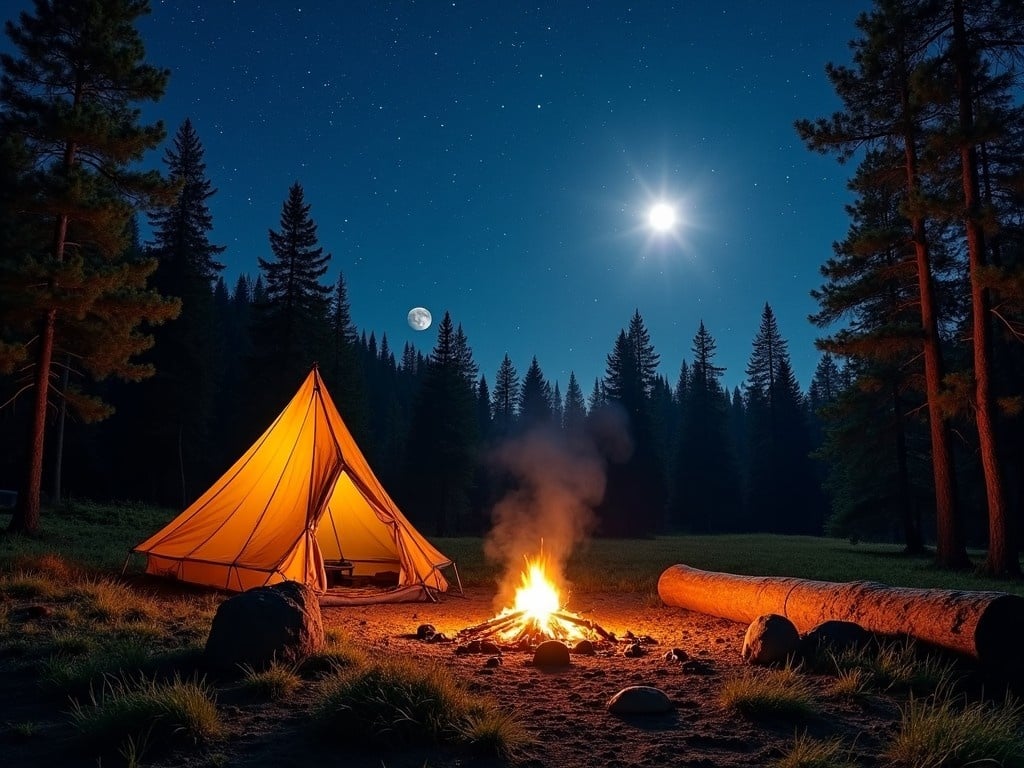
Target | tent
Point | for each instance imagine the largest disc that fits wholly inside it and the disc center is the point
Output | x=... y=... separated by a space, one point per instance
x=302 y=501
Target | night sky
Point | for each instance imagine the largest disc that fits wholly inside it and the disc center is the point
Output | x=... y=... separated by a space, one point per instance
x=497 y=160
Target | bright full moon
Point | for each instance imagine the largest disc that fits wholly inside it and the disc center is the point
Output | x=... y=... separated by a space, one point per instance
x=419 y=318
x=661 y=217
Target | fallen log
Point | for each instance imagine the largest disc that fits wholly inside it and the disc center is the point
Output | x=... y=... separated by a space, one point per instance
x=987 y=626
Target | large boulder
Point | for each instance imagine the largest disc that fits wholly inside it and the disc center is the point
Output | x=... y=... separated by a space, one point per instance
x=281 y=622
x=770 y=639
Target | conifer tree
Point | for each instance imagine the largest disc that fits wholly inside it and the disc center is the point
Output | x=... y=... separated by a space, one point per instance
x=342 y=366
x=179 y=399
x=779 y=446
x=534 y=404
x=885 y=106
x=442 y=436
x=68 y=106
x=290 y=324
x=706 y=494
x=505 y=398
x=575 y=415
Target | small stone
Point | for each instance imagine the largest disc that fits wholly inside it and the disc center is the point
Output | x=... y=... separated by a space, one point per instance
x=677 y=654
x=584 y=648
x=770 y=639
x=634 y=651
x=698 y=667
x=494 y=661
x=551 y=653
x=639 y=700
x=425 y=631
x=486 y=646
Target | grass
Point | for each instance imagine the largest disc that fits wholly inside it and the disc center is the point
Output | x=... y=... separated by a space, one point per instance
x=400 y=701
x=783 y=693
x=138 y=711
x=948 y=731
x=807 y=752
x=275 y=682
x=894 y=666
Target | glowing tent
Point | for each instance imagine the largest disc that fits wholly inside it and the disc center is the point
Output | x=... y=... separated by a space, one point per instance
x=301 y=496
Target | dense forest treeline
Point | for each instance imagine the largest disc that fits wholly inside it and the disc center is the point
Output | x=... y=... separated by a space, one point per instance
x=133 y=370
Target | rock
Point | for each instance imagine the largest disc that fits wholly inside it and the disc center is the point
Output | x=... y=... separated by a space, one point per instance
x=639 y=700
x=494 y=661
x=770 y=639
x=551 y=653
x=490 y=648
x=634 y=650
x=698 y=667
x=584 y=648
x=281 y=622
x=676 y=654
x=425 y=631
x=835 y=636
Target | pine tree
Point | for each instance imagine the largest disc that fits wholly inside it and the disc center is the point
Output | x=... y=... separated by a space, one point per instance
x=291 y=322
x=68 y=100
x=706 y=494
x=779 y=446
x=534 y=404
x=179 y=399
x=885 y=106
x=442 y=437
x=342 y=367
x=575 y=415
x=505 y=398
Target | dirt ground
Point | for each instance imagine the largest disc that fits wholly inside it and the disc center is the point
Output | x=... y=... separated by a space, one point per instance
x=565 y=710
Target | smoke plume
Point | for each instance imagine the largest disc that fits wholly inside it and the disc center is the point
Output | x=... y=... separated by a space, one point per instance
x=555 y=483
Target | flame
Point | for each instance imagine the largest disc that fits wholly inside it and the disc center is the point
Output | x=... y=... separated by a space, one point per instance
x=538 y=601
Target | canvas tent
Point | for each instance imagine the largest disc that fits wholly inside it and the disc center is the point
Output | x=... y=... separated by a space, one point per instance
x=302 y=495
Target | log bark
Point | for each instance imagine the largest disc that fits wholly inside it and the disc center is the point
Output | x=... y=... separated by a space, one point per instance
x=987 y=626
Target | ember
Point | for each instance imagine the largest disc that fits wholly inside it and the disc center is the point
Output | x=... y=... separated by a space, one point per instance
x=537 y=615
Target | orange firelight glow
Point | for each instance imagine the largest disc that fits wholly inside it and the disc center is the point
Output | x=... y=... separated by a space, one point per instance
x=539 y=605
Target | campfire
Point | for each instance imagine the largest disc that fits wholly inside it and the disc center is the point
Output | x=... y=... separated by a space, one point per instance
x=537 y=615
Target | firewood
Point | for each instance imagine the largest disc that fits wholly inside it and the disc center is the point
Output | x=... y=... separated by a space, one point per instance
x=593 y=626
x=984 y=625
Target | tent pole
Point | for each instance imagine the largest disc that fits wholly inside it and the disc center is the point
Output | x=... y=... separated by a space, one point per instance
x=457 y=579
x=126 y=560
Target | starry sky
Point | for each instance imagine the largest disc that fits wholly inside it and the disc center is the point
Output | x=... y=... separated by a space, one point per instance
x=497 y=160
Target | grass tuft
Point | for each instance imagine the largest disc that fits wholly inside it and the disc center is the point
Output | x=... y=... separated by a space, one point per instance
x=338 y=653
x=275 y=682
x=896 y=666
x=399 y=701
x=851 y=684
x=782 y=692
x=77 y=674
x=947 y=731
x=25 y=585
x=136 y=711
x=807 y=752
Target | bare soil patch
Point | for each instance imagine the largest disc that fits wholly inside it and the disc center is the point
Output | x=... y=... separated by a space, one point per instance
x=564 y=710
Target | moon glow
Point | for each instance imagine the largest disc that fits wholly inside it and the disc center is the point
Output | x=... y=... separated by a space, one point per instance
x=661 y=217
x=419 y=318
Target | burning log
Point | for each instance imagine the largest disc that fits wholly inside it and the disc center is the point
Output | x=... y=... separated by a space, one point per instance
x=984 y=625
x=593 y=626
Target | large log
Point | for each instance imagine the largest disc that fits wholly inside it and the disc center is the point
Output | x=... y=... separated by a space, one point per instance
x=988 y=626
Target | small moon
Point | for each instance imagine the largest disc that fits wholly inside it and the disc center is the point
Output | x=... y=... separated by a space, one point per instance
x=419 y=318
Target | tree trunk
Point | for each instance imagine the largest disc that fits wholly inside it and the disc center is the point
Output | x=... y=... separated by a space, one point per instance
x=950 y=550
x=984 y=625
x=1002 y=554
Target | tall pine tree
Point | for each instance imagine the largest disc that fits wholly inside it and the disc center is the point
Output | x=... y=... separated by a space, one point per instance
x=68 y=97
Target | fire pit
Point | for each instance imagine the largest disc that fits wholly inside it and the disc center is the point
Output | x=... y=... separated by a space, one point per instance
x=536 y=616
